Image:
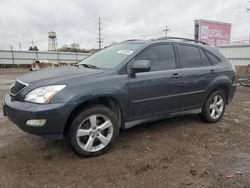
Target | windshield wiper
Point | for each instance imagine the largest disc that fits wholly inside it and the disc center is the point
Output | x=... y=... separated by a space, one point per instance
x=89 y=66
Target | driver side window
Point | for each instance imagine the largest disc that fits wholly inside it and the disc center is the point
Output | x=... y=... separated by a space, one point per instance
x=161 y=57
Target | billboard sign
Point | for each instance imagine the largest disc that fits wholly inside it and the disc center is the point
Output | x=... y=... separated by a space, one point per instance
x=212 y=33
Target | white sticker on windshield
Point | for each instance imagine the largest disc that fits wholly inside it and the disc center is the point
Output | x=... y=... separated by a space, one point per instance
x=126 y=52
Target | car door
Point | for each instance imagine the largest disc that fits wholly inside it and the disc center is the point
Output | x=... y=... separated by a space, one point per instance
x=158 y=91
x=196 y=75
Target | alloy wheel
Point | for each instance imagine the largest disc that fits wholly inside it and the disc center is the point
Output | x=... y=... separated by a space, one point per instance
x=94 y=133
x=216 y=107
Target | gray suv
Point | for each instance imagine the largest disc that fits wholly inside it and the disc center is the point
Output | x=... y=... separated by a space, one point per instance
x=121 y=86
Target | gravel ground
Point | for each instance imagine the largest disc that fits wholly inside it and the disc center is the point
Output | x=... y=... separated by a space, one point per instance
x=178 y=152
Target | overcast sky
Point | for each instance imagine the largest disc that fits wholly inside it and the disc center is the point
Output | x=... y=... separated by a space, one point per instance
x=76 y=21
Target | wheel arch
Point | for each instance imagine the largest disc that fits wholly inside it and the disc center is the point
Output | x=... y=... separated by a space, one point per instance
x=109 y=101
x=222 y=86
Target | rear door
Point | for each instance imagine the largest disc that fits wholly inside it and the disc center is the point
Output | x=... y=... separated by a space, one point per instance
x=158 y=91
x=196 y=75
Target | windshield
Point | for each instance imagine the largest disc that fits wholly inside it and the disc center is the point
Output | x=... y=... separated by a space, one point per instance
x=110 y=57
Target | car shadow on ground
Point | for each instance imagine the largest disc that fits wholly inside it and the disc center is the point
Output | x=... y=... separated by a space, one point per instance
x=167 y=124
x=124 y=139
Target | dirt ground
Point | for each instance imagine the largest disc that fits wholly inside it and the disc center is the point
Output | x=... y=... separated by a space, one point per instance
x=178 y=152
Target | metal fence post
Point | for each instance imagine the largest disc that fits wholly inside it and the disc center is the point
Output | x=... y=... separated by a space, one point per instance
x=36 y=55
x=12 y=55
x=58 y=57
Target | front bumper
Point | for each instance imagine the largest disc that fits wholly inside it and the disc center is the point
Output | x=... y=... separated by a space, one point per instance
x=56 y=116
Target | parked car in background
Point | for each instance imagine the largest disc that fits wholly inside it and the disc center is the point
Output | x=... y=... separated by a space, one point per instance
x=121 y=86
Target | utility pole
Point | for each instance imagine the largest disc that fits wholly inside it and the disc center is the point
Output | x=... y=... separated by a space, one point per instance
x=20 y=46
x=166 y=30
x=32 y=43
x=99 y=34
x=248 y=11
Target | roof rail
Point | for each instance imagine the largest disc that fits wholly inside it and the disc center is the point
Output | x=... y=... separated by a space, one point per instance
x=131 y=40
x=183 y=39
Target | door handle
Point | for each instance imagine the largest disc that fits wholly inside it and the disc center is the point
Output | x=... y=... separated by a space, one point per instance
x=176 y=75
x=212 y=71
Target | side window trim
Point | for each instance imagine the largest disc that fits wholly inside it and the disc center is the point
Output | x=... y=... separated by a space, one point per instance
x=180 y=56
x=207 y=52
x=201 y=50
x=177 y=56
x=157 y=44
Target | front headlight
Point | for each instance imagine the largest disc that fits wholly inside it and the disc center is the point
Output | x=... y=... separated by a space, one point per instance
x=43 y=95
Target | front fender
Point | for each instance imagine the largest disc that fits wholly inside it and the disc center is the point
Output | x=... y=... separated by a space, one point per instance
x=115 y=86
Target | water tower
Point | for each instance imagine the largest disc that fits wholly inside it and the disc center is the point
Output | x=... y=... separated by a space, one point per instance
x=52 y=41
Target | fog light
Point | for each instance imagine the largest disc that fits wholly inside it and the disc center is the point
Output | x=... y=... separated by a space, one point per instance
x=36 y=122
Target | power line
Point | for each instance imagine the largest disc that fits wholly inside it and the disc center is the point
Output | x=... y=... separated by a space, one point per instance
x=210 y=13
x=99 y=34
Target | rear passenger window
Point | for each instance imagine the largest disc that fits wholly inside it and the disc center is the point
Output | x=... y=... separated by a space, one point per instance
x=204 y=59
x=162 y=57
x=213 y=58
x=190 y=56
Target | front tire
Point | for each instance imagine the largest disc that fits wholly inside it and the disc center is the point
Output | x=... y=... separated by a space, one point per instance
x=214 y=107
x=93 y=131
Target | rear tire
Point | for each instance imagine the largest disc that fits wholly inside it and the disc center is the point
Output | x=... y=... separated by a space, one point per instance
x=93 y=131
x=214 y=107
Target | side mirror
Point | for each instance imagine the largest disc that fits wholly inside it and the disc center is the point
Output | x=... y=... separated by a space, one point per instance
x=141 y=66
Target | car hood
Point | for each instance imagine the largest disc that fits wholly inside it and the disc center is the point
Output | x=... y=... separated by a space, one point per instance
x=55 y=75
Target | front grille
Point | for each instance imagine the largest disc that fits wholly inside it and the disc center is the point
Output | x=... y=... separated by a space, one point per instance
x=17 y=87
